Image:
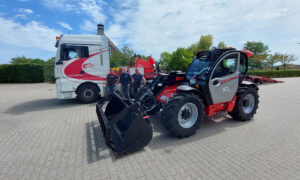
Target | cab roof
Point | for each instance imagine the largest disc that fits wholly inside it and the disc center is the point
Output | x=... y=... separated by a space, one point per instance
x=83 y=39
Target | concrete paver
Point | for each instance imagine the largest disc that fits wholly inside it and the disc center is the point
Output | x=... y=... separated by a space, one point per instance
x=46 y=138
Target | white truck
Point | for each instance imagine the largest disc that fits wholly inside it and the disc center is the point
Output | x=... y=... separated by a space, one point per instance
x=81 y=66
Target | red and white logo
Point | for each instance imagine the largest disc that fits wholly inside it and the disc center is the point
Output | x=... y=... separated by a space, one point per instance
x=87 y=65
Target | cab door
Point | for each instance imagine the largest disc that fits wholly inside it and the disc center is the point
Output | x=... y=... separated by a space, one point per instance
x=224 y=79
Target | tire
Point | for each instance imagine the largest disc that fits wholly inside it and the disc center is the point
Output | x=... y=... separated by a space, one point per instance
x=244 y=109
x=156 y=109
x=148 y=101
x=88 y=93
x=183 y=104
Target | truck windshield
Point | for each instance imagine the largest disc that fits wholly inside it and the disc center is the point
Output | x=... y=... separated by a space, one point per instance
x=200 y=66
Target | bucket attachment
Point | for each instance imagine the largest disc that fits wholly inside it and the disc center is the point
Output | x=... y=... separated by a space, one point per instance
x=123 y=124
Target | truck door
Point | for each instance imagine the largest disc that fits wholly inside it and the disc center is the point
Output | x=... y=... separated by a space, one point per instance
x=96 y=66
x=224 y=79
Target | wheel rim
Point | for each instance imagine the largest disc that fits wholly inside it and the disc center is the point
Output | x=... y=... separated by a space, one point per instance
x=148 y=102
x=248 y=103
x=188 y=115
x=88 y=94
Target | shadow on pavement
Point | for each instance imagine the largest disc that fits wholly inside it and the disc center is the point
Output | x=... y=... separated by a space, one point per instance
x=40 y=105
x=210 y=127
x=96 y=148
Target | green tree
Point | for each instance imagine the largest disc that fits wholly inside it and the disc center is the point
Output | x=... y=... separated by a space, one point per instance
x=51 y=60
x=180 y=59
x=24 y=60
x=222 y=45
x=204 y=44
x=287 y=59
x=260 y=53
x=123 y=58
x=165 y=59
x=272 y=59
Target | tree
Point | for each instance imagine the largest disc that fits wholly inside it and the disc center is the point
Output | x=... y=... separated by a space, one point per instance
x=204 y=44
x=180 y=59
x=260 y=53
x=272 y=59
x=24 y=60
x=51 y=60
x=287 y=59
x=257 y=60
x=122 y=58
x=165 y=59
x=222 y=45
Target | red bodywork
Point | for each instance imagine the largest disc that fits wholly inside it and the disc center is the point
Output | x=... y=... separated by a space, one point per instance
x=167 y=92
x=210 y=110
x=225 y=106
x=148 y=65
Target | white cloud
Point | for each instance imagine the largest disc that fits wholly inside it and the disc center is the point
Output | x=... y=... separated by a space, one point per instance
x=93 y=9
x=30 y=35
x=154 y=26
x=65 y=5
x=25 y=11
x=88 y=26
x=66 y=26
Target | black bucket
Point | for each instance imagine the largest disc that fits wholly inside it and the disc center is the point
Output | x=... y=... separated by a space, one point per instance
x=123 y=124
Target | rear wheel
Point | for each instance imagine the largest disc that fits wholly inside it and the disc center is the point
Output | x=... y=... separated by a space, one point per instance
x=246 y=104
x=183 y=115
x=88 y=93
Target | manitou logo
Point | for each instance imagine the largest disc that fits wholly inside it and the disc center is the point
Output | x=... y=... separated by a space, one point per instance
x=88 y=65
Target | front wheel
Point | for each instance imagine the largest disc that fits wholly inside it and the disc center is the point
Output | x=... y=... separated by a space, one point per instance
x=246 y=105
x=88 y=93
x=183 y=115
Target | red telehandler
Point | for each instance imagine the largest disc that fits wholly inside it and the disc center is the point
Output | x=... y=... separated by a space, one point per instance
x=214 y=82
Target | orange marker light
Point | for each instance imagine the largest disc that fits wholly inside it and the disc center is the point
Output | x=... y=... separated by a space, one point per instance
x=57 y=37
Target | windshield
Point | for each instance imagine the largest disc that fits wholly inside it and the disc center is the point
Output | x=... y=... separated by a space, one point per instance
x=200 y=66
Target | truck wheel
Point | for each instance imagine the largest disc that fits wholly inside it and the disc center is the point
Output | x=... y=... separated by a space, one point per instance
x=88 y=93
x=246 y=105
x=183 y=114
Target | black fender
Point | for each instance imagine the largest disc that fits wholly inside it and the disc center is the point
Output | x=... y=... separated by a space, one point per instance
x=188 y=89
x=247 y=84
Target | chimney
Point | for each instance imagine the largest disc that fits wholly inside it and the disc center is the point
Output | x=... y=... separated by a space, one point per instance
x=100 y=28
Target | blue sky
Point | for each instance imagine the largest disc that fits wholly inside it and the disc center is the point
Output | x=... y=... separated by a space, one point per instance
x=29 y=27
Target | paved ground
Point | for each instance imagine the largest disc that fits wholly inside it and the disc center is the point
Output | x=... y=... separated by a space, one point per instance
x=45 y=138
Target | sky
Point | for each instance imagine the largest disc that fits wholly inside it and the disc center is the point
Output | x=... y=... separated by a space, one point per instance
x=150 y=27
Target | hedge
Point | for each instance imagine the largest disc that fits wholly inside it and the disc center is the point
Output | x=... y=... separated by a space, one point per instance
x=276 y=74
x=26 y=73
x=49 y=73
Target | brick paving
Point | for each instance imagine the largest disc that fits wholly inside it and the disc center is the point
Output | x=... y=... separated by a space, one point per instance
x=45 y=138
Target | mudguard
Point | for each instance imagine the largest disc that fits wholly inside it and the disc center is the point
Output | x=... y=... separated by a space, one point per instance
x=123 y=125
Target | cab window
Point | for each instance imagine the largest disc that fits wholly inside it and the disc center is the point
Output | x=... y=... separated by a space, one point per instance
x=70 y=52
x=227 y=66
x=243 y=64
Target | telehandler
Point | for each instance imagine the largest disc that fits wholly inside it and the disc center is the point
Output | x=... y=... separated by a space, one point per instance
x=213 y=82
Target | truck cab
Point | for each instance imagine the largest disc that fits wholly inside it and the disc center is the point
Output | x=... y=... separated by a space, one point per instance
x=81 y=66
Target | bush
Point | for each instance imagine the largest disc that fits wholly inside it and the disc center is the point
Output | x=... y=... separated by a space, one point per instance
x=276 y=74
x=49 y=73
x=21 y=73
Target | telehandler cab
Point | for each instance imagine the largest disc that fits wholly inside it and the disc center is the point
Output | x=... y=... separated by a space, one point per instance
x=213 y=83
